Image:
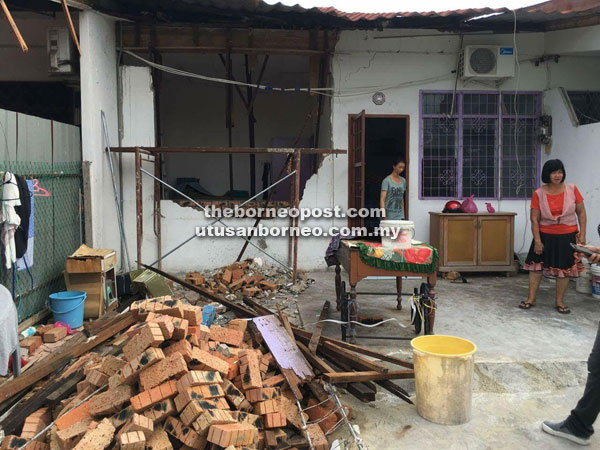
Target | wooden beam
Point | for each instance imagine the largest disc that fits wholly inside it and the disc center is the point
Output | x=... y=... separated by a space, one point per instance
x=317 y=362
x=354 y=358
x=314 y=340
x=71 y=26
x=353 y=377
x=304 y=151
x=78 y=345
x=13 y=27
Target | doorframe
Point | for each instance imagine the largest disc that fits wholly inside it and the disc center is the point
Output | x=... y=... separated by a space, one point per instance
x=407 y=153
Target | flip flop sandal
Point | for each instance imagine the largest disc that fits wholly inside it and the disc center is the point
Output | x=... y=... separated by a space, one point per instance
x=526 y=305
x=563 y=309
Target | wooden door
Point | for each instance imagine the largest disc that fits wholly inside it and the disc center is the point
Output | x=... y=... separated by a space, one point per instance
x=494 y=241
x=356 y=166
x=460 y=240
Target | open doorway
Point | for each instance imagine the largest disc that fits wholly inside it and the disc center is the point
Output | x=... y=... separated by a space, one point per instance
x=375 y=140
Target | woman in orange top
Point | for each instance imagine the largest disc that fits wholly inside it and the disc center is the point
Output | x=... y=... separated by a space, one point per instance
x=556 y=209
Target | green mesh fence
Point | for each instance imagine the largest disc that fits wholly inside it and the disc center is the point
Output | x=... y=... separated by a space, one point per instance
x=57 y=228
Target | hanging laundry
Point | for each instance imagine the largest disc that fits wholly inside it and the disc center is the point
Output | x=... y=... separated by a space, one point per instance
x=9 y=219
x=24 y=211
x=9 y=330
x=26 y=261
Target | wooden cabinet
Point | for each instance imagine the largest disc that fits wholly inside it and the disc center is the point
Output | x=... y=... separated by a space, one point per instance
x=479 y=242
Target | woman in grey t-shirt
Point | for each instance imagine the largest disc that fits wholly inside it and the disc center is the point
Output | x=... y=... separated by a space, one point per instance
x=393 y=187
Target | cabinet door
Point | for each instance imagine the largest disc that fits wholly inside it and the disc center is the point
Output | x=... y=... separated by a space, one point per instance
x=495 y=241
x=460 y=241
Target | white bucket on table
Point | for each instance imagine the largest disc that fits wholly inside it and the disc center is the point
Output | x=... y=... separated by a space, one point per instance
x=404 y=230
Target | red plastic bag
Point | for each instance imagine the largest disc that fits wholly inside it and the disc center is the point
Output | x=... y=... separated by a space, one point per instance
x=469 y=206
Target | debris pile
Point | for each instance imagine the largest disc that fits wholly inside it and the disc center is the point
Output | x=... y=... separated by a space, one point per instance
x=249 y=278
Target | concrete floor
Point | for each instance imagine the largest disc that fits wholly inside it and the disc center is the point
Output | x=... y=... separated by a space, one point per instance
x=530 y=365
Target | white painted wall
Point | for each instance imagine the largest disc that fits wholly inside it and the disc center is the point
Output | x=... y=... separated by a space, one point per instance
x=99 y=93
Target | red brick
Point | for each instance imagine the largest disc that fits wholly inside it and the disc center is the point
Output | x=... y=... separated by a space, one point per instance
x=12 y=442
x=170 y=307
x=186 y=395
x=203 y=360
x=276 y=381
x=211 y=417
x=201 y=331
x=111 y=365
x=250 y=370
x=276 y=420
x=55 y=334
x=181 y=328
x=268 y=285
x=232 y=434
x=146 y=399
x=166 y=325
x=132 y=440
x=81 y=413
x=83 y=385
x=149 y=336
x=198 y=378
x=129 y=373
x=246 y=417
x=110 y=402
x=226 y=335
x=172 y=366
x=183 y=347
x=31 y=343
x=184 y=434
x=159 y=440
x=141 y=423
x=193 y=314
x=160 y=411
x=262 y=394
x=97 y=439
x=318 y=439
x=238 y=324
x=235 y=396
x=69 y=437
x=266 y=407
x=120 y=418
x=237 y=274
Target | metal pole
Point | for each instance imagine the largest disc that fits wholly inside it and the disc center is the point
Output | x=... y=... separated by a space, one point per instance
x=138 y=206
x=112 y=173
x=296 y=205
x=217 y=219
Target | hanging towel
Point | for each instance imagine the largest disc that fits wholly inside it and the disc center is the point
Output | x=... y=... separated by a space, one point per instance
x=9 y=329
x=27 y=260
x=24 y=211
x=9 y=218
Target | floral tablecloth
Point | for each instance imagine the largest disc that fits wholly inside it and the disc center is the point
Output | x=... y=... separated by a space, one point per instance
x=420 y=258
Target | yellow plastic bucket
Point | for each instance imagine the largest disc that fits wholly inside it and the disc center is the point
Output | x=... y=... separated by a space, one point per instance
x=443 y=378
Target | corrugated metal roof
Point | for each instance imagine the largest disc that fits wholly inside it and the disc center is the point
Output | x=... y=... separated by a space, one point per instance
x=462 y=13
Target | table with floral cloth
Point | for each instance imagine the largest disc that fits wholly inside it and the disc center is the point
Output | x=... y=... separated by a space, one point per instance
x=361 y=259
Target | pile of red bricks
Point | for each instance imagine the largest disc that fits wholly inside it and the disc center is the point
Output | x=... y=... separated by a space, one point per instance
x=176 y=383
x=233 y=278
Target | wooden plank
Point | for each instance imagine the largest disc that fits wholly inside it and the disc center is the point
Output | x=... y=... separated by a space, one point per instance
x=314 y=340
x=13 y=27
x=71 y=26
x=317 y=362
x=348 y=355
x=284 y=350
x=353 y=377
x=78 y=345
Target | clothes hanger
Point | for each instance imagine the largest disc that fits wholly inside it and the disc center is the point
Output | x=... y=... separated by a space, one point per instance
x=39 y=191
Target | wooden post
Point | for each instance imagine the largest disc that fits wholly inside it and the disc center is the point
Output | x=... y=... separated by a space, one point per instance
x=296 y=205
x=251 y=136
x=229 y=113
x=138 y=205
x=13 y=27
x=71 y=26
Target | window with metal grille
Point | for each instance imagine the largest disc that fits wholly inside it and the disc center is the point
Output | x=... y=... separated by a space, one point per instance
x=479 y=143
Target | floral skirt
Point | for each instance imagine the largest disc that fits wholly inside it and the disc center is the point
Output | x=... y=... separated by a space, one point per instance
x=558 y=259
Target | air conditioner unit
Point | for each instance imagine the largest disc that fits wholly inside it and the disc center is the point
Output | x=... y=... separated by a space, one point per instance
x=487 y=61
x=60 y=51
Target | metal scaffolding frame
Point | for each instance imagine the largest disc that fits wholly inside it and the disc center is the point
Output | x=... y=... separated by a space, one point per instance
x=293 y=171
